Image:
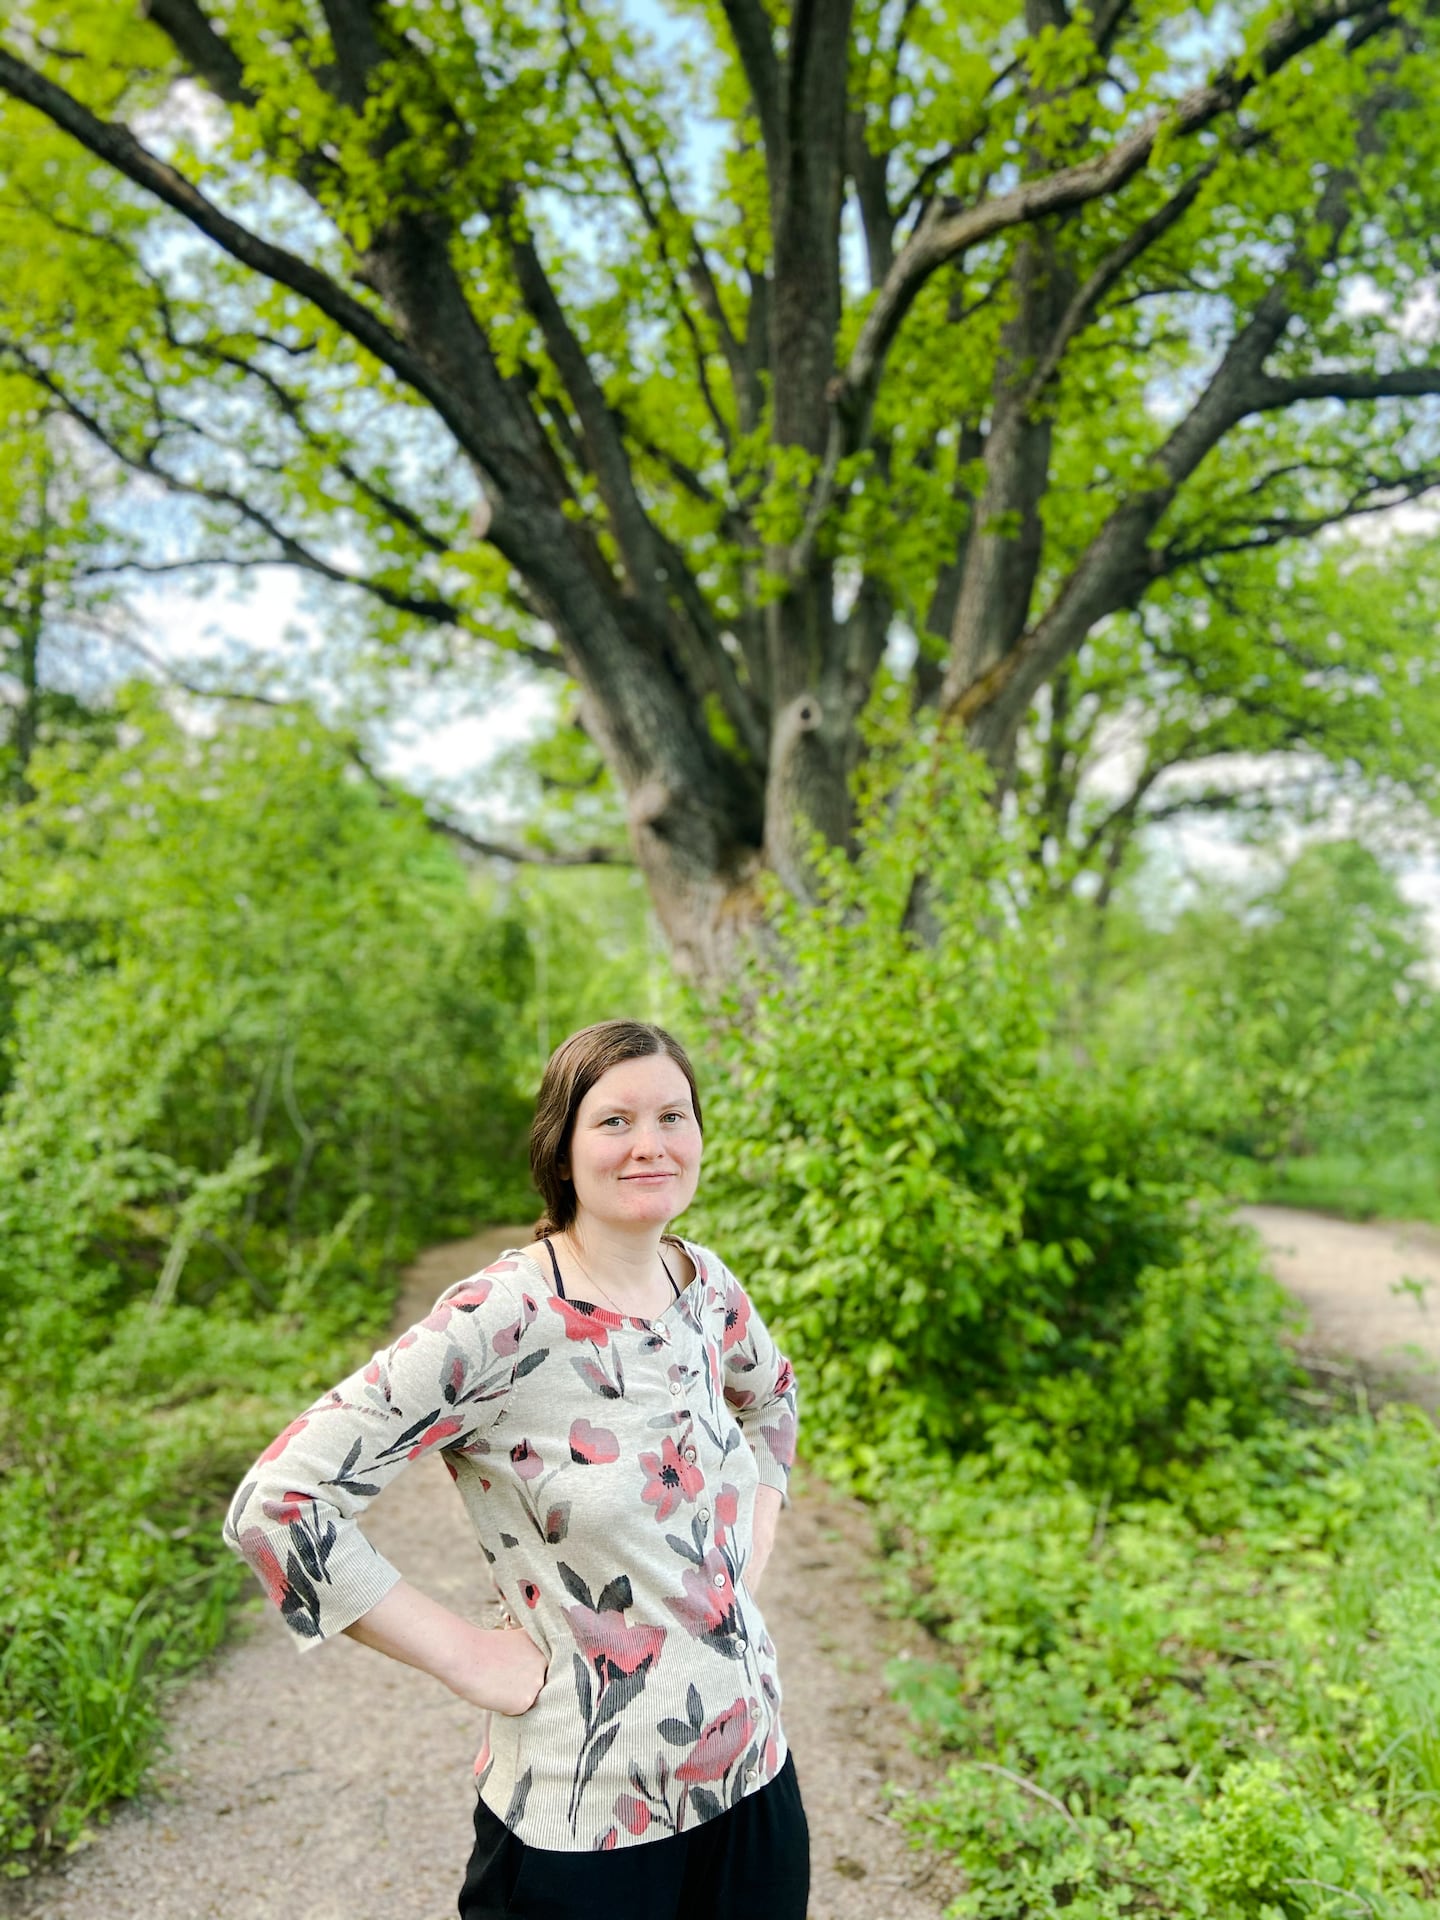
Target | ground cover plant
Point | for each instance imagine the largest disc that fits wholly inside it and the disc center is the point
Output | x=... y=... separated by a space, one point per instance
x=1220 y=1701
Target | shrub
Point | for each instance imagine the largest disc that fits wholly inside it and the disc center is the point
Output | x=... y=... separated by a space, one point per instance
x=958 y=1221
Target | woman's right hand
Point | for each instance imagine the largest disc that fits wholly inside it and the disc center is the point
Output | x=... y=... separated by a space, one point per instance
x=499 y=1668
x=509 y=1672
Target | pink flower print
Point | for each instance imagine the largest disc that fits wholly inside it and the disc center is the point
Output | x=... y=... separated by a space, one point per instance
x=282 y=1440
x=607 y=1841
x=473 y=1293
x=612 y=1649
x=632 y=1814
x=580 y=1321
x=780 y=1438
x=258 y=1551
x=592 y=1446
x=737 y=1316
x=720 y=1745
x=287 y=1510
x=530 y=1593
x=727 y=1511
x=440 y=1430
x=708 y=1610
x=672 y=1478
x=526 y=1462
x=508 y=1338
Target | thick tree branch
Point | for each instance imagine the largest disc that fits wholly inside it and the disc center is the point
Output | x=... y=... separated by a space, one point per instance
x=754 y=42
x=877 y=219
x=118 y=147
x=202 y=49
x=1116 y=568
x=604 y=448
x=1401 y=383
x=945 y=231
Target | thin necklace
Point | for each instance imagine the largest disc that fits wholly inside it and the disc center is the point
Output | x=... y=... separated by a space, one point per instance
x=605 y=1290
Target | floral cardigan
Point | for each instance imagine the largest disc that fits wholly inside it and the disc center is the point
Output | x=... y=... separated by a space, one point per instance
x=609 y=1466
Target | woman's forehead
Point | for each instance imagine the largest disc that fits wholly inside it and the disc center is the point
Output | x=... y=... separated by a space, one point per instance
x=638 y=1083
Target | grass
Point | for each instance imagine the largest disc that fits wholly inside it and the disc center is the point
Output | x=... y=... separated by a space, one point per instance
x=1399 y=1187
x=119 y=1468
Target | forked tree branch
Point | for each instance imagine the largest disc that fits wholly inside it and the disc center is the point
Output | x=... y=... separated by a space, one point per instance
x=117 y=146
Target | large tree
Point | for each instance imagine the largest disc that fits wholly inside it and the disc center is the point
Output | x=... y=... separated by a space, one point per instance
x=702 y=370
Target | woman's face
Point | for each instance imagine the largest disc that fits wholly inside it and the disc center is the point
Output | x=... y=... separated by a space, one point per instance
x=635 y=1147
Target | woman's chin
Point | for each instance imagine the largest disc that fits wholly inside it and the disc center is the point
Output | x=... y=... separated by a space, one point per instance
x=646 y=1203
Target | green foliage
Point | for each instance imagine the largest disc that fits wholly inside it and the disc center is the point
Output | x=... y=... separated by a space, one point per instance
x=1358 y=1184
x=958 y=1220
x=1218 y=1704
x=1299 y=1007
x=264 y=1041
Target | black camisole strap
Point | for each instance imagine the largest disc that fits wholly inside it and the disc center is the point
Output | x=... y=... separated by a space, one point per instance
x=559 y=1283
x=669 y=1276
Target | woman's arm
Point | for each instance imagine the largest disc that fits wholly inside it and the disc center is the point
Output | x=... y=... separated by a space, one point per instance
x=295 y=1517
x=768 y=1501
x=496 y=1667
x=760 y=1391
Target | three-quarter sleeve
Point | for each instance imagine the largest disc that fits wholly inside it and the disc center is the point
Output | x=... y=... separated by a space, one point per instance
x=759 y=1387
x=295 y=1516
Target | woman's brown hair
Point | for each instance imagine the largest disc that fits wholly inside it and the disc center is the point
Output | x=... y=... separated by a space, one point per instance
x=571 y=1071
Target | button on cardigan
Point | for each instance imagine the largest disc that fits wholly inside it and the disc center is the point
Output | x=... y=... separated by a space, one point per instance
x=609 y=1466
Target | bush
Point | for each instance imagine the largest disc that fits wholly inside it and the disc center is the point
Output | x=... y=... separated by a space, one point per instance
x=957 y=1221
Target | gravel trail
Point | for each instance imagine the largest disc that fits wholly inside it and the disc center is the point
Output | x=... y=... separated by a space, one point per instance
x=1372 y=1291
x=336 y=1784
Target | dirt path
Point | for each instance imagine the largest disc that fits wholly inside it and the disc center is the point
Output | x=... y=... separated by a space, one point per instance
x=1373 y=1293
x=336 y=1785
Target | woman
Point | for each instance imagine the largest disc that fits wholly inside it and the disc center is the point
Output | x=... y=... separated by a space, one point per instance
x=620 y=1426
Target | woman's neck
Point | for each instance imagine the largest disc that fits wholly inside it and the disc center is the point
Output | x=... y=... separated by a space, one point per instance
x=623 y=1260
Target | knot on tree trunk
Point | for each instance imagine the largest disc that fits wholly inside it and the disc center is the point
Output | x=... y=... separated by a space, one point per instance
x=648 y=802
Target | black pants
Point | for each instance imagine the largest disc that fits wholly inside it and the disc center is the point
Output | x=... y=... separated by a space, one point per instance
x=751 y=1862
